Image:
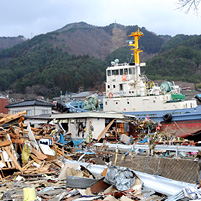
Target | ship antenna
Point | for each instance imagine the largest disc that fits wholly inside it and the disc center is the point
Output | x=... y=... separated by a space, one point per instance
x=135 y=48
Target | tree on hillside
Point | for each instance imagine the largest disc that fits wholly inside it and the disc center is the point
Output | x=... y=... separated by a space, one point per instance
x=189 y=5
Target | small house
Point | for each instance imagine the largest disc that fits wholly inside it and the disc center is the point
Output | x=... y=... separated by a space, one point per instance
x=32 y=107
x=78 y=124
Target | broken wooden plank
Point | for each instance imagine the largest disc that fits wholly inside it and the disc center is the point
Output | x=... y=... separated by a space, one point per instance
x=35 y=159
x=105 y=129
x=58 y=164
x=11 y=117
x=13 y=158
x=18 y=141
x=5 y=115
x=13 y=131
x=27 y=165
x=5 y=143
x=38 y=154
x=60 y=152
x=12 y=135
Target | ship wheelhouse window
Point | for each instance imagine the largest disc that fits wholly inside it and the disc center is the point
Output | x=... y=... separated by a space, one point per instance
x=121 y=87
x=108 y=86
x=105 y=103
x=116 y=103
x=115 y=72
x=131 y=71
x=114 y=86
x=121 y=72
x=108 y=72
x=128 y=103
x=125 y=71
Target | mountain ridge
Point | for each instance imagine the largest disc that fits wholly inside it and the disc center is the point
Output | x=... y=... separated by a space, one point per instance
x=78 y=53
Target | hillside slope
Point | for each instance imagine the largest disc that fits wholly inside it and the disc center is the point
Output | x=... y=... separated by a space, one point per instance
x=68 y=58
x=77 y=55
x=8 y=42
x=180 y=59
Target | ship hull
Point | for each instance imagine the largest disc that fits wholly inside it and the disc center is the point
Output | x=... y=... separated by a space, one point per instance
x=183 y=122
x=182 y=128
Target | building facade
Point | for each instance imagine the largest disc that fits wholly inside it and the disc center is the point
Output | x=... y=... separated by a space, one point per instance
x=32 y=107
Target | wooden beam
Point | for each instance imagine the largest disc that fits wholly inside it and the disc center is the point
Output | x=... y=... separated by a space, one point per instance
x=14 y=132
x=27 y=165
x=11 y=117
x=5 y=143
x=13 y=158
x=18 y=141
x=105 y=129
x=38 y=154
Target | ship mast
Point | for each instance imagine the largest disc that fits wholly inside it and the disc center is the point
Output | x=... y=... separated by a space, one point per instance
x=135 y=48
x=139 y=85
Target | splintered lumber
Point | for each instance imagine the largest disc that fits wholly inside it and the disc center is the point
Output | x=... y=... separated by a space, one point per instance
x=5 y=143
x=35 y=159
x=11 y=117
x=5 y=115
x=38 y=154
x=33 y=170
x=21 y=120
x=18 y=141
x=58 y=164
x=105 y=129
x=61 y=153
x=12 y=135
x=51 y=158
x=13 y=131
x=2 y=115
x=27 y=165
x=13 y=158
x=3 y=134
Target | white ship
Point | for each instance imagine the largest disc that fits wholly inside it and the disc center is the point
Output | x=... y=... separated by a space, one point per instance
x=130 y=92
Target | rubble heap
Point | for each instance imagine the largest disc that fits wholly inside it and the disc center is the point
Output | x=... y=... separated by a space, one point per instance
x=34 y=165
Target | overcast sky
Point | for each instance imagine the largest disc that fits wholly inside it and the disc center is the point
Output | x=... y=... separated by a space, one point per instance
x=34 y=17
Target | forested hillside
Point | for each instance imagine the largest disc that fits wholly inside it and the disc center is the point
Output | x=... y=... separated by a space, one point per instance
x=72 y=57
x=78 y=54
x=179 y=59
x=38 y=66
x=7 y=42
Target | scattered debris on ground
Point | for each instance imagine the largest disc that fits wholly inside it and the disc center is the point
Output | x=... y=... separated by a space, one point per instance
x=34 y=164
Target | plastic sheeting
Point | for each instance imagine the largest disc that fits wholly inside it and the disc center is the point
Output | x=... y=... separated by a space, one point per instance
x=122 y=178
x=77 y=142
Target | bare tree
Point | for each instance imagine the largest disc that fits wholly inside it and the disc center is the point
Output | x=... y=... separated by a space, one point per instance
x=189 y=5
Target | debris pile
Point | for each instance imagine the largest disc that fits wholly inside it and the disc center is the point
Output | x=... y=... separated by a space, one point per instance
x=20 y=148
x=34 y=165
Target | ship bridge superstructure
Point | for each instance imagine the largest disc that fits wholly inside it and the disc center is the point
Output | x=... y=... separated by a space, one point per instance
x=125 y=79
x=127 y=90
